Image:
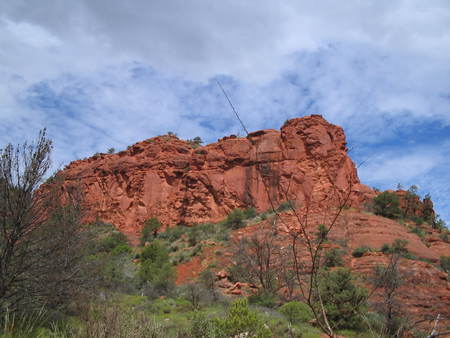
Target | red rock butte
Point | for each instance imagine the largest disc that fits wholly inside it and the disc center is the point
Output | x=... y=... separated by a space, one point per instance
x=167 y=178
x=305 y=162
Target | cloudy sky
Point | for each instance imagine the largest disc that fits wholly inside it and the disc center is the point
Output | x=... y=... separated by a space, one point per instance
x=101 y=74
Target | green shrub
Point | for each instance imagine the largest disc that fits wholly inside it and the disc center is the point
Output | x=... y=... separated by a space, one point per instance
x=322 y=233
x=120 y=249
x=202 y=326
x=445 y=263
x=387 y=205
x=333 y=258
x=359 y=252
x=444 y=236
x=398 y=246
x=173 y=234
x=150 y=230
x=156 y=268
x=236 y=272
x=417 y=220
x=250 y=213
x=264 y=298
x=284 y=206
x=110 y=242
x=235 y=219
x=418 y=231
x=343 y=300
x=296 y=312
x=240 y=319
x=386 y=248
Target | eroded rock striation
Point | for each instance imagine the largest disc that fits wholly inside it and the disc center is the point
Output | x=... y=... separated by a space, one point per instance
x=167 y=178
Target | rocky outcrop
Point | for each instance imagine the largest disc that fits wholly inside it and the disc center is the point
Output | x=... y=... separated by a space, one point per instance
x=167 y=178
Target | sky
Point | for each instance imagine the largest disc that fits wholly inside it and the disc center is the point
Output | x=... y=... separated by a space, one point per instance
x=101 y=74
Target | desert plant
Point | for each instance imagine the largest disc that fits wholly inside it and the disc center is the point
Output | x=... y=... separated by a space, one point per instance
x=445 y=263
x=241 y=320
x=418 y=231
x=333 y=258
x=322 y=233
x=156 y=270
x=343 y=300
x=388 y=279
x=207 y=279
x=296 y=312
x=43 y=245
x=359 y=252
x=150 y=230
x=387 y=205
x=264 y=298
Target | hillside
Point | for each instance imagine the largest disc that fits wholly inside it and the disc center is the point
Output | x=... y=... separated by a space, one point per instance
x=305 y=164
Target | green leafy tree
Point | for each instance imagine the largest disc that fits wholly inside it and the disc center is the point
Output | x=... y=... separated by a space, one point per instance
x=387 y=205
x=156 y=268
x=343 y=300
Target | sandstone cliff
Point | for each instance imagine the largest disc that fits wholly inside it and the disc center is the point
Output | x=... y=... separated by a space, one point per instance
x=167 y=178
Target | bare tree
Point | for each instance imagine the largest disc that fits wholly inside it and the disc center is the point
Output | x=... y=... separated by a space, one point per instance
x=255 y=256
x=41 y=240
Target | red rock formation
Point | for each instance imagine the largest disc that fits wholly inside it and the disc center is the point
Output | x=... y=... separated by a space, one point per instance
x=165 y=177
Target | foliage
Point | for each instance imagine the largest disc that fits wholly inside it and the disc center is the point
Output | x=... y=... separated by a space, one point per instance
x=240 y=319
x=202 y=326
x=389 y=279
x=296 y=312
x=445 y=263
x=207 y=279
x=42 y=242
x=236 y=218
x=111 y=242
x=418 y=231
x=111 y=151
x=387 y=205
x=156 y=270
x=412 y=204
x=343 y=300
x=444 y=236
x=359 y=252
x=264 y=298
x=439 y=224
x=150 y=230
x=173 y=234
x=333 y=258
x=417 y=220
x=284 y=206
x=322 y=233
x=195 y=142
x=398 y=246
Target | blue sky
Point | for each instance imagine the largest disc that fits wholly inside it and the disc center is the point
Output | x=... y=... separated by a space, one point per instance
x=101 y=74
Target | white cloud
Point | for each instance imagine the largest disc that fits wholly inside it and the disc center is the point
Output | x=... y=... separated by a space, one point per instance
x=405 y=165
x=123 y=71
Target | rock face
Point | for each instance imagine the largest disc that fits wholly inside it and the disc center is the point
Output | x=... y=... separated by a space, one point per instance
x=167 y=178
